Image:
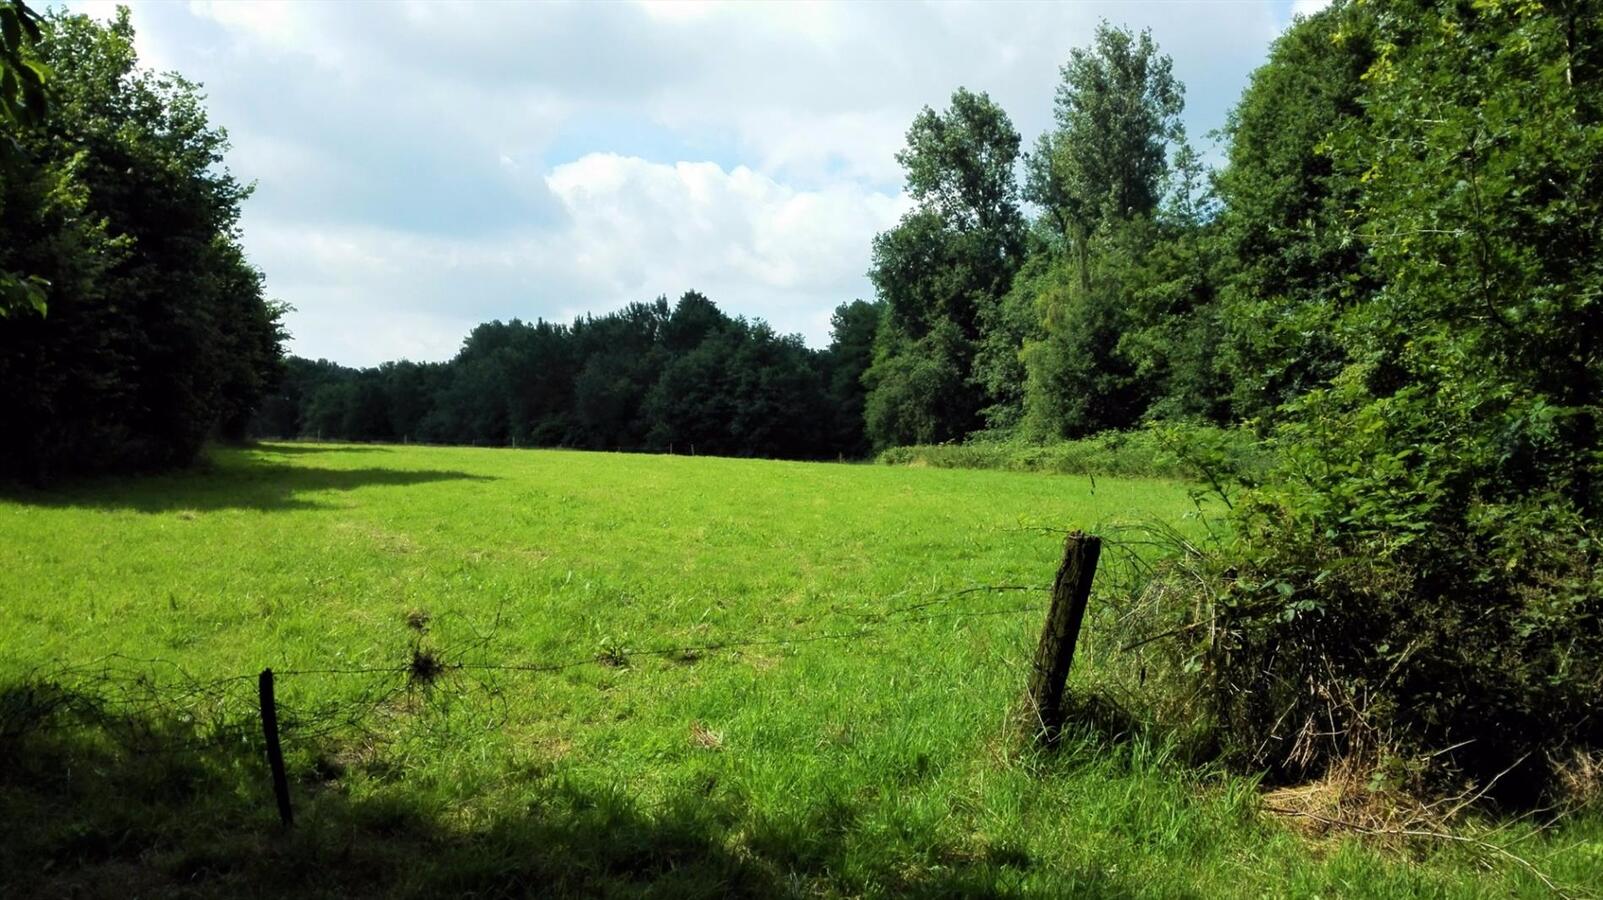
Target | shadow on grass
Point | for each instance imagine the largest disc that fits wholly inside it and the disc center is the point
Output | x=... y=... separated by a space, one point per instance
x=92 y=805
x=234 y=482
x=293 y=448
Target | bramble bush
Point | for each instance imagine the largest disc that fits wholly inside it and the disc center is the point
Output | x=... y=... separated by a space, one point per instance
x=1419 y=578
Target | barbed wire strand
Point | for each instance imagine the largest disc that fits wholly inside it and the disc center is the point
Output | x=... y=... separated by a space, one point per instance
x=134 y=690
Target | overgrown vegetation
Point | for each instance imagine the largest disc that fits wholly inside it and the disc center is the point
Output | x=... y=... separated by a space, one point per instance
x=1422 y=575
x=1400 y=287
x=1397 y=282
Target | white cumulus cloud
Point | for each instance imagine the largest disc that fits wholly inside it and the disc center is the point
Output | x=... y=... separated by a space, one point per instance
x=629 y=229
x=424 y=166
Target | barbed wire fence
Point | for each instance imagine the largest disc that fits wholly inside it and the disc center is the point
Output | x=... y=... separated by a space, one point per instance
x=155 y=706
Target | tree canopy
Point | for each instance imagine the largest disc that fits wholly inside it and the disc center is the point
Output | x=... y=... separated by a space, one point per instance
x=683 y=377
x=23 y=103
x=942 y=270
x=158 y=336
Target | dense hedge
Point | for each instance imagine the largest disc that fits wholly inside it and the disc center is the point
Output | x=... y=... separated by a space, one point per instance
x=1420 y=581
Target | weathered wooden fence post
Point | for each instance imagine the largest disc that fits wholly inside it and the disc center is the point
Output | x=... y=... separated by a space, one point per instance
x=1070 y=592
x=275 y=753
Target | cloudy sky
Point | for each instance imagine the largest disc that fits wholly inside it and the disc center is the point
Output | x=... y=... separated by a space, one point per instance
x=424 y=166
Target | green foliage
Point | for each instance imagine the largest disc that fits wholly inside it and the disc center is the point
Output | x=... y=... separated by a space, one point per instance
x=23 y=292
x=1424 y=572
x=741 y=391
x=1188 y=452
x=1008 y=326
x=1132 y=337
x=918 y=390
x=1117 y=108
x=22 y=78
x=686 y=379
x=158 y=335
x=942 y=270
x=959 y=166
x=853 y=328
x=1122 y=325
x=1078 y=381
x=1290 y=219
x=23 y=102
x=1172 y=342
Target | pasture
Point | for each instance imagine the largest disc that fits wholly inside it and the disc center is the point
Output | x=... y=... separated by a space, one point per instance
x=737 y=677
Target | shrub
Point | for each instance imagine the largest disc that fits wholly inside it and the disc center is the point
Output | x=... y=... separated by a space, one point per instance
x=1202 y=453
x=1387 y=599
x=1419 y=582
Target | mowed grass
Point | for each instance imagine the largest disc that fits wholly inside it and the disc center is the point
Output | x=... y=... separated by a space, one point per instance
x=861 y=740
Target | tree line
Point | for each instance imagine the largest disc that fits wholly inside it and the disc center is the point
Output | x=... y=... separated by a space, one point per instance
x=656 y=377
x=1142 y=287
x=1099 y=280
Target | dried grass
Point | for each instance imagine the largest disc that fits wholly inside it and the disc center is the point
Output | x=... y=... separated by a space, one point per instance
x=705 y=738
x=1343 y=801
x=1580 y=779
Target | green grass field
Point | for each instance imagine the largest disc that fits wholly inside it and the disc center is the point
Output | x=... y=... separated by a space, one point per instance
x=886 y=763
